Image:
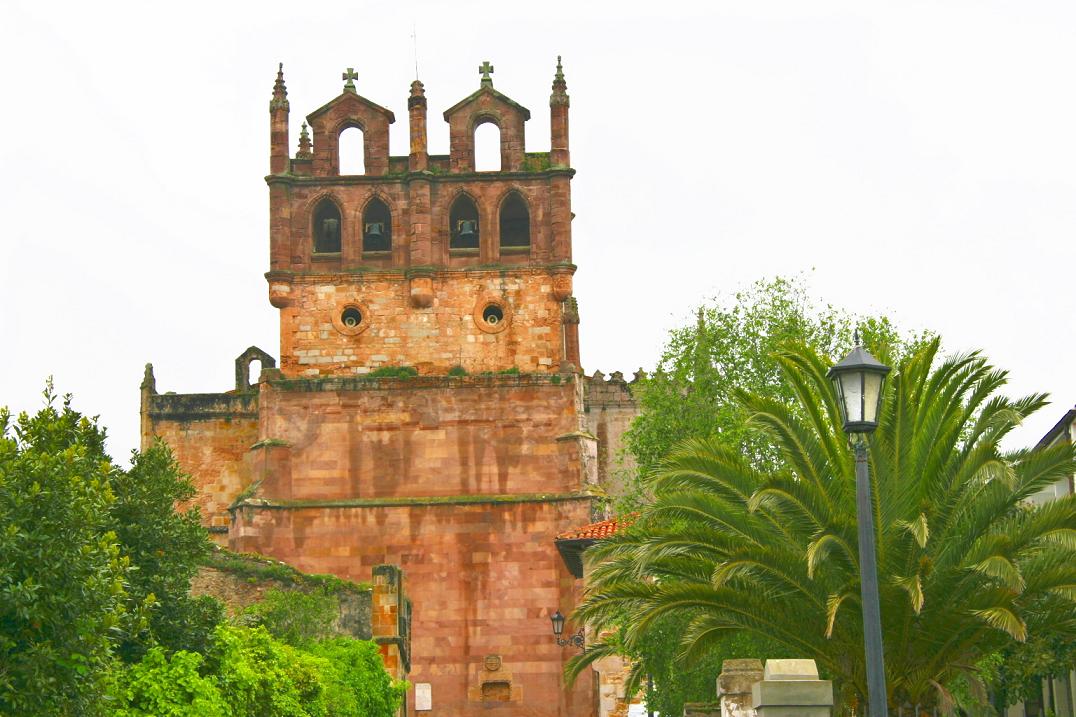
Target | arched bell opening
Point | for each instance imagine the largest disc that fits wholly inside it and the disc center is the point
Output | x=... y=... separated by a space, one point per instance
x=463 y=224
x=327 y=227
x=352 y=151
x=487 y=147
x=376 y=227
x=515 y=222
x=248 y=368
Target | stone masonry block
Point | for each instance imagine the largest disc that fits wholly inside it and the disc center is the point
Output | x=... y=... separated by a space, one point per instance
x=797 y=691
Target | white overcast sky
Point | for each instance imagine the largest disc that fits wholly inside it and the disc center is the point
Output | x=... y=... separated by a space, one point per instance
x=916 y=158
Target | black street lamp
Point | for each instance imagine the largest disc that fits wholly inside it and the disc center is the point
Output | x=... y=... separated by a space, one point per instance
x=558 y=630
x=858 y=379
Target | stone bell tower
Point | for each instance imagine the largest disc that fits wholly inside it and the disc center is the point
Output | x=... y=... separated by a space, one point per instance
x=427 y=407
x=421 y=261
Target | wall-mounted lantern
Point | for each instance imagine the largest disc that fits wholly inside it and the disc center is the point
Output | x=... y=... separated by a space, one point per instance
x=558 y=629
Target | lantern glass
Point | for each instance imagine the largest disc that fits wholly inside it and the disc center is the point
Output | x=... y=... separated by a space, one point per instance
x=852 y=396
x=558 y=623
x=858 y=380
x=872 y=396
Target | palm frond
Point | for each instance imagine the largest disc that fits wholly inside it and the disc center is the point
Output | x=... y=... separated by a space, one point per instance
x=966 y=563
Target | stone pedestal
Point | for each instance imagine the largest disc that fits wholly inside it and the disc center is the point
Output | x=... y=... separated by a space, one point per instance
x=791 y=688
x=734 y=686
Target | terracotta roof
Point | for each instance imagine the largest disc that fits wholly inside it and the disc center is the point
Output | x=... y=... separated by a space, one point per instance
x=597 y=531
x=572 y=543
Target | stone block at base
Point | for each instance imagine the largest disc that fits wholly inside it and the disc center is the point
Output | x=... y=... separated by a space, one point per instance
x=798 y=692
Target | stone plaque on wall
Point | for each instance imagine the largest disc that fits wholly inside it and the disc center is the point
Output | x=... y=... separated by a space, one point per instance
x=423 y=697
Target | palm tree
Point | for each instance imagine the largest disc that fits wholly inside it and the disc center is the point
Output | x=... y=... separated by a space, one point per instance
x=966 y=563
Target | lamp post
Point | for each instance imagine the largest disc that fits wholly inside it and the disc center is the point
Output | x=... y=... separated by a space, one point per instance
x=858 y=379
x=558 y=630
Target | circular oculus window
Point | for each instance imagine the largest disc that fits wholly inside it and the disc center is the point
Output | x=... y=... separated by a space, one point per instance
x=350 y=318
x=492 y=314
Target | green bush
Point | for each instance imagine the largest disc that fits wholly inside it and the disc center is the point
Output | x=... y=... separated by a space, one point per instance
x=393 y=372
x=357 y=682
x=250 y=674
x=260 y=677
x=296 y=617
x=513 y=371
x=457 y=371
x=162 y=687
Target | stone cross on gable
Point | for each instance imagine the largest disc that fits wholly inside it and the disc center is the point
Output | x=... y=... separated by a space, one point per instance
x=350 y=76
x=485 y=68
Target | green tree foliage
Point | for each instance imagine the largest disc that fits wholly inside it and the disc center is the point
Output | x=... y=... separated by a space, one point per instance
x=249 y=674
x=357 y=683
x=675 y=683
x=95 y=565
x=160 y=686
x=61 y=571
x=165 y=548
x=732 y=348
x=728 y=348
x=967 y=566
x=353 y=676
x=94 y=560
x=260 y=677
x=1017 y=672
x=296 y=617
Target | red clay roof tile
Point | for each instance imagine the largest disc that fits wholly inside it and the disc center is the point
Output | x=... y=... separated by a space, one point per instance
x=597 y=531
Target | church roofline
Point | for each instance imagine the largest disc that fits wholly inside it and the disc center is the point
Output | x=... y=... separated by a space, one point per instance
x=486 y=89
x=354 y=95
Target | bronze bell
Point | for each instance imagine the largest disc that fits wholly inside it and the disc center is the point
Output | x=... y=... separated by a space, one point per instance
x=330 y=229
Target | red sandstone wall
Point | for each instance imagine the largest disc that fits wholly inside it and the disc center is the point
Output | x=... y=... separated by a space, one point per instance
x=448 y=333
x=484 y=579
x=462 y=436
x=211 y=450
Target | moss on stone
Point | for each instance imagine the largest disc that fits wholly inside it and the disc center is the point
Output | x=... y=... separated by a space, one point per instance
x=514 y=371
x=536 y=161
x=393 y=372
x=246 y=493
x=259 y=567
x=269 y=442
x=371 y=382
x=431 y=500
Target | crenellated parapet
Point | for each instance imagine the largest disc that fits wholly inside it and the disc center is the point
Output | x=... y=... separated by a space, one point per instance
x=612 y=391
x=611 y=405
